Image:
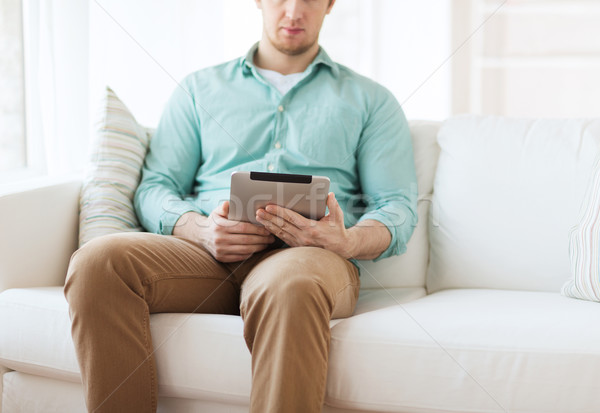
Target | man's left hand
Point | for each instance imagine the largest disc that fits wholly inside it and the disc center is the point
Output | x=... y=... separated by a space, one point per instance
x=296 y=231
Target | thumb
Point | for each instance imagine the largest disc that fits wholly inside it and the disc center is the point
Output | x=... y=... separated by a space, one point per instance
x=335 y=211
x=223 y=209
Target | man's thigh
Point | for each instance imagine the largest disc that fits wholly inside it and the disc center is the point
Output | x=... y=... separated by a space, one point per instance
x=170 y=273
x=285 y=270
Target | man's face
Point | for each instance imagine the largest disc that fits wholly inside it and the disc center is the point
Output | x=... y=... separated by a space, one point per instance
x=292 y=26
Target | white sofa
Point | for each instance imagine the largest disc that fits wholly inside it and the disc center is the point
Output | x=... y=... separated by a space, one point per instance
x=470 y=319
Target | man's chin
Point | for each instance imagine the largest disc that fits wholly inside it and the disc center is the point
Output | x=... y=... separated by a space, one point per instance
x=293 y=50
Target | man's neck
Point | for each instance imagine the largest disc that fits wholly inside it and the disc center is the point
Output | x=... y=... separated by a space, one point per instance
x=268 y=57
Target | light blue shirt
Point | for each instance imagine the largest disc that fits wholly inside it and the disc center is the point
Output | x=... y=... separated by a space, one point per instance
x=333 y=122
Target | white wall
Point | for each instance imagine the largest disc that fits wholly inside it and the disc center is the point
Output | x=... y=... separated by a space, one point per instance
x=141 y=49
x=400 y=44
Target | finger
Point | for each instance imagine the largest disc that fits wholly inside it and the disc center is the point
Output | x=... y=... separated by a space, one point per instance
x=280 y=233
x=273 y=221
x=236 y=227
x=248 y=228
x=288 y=215
x=283 y=230
x=240 y=256
x=240 y=249
x=243 y=239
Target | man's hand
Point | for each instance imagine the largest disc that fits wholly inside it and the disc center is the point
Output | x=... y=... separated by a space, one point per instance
x=227 y=241
x=295 y=230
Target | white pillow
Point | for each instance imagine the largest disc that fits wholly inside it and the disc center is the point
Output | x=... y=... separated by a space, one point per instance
x=113 y=174
x=506 y=193
x=584 y=243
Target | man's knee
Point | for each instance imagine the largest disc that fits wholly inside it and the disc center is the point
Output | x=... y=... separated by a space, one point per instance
x=95 y=266
x=318 y=262
x=297 y=290
x=287 y=286
x=286 y=295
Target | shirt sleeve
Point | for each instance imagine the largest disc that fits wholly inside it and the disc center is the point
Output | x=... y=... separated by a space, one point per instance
x=387 y=172
x=171 y=165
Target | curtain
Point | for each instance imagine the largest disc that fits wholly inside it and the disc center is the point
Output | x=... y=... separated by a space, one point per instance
x=56 y=83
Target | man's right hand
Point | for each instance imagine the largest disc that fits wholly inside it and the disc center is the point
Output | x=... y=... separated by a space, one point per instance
x=226 y=240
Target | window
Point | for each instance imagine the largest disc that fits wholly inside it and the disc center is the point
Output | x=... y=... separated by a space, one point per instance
x=12 y=87
x=531 y=58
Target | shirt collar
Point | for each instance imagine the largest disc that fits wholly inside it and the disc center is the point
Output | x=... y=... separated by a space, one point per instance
x=247 y=62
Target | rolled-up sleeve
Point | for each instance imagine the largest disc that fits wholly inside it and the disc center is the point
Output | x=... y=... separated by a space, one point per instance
x=171 y=165
x=387 y=171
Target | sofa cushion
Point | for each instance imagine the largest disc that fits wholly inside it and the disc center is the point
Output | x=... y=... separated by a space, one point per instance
x=114 y=171
x=506 y=193
x=197 y=355
x=29 y=393
x=490 y=350
x=528 y=351
x=584 y=245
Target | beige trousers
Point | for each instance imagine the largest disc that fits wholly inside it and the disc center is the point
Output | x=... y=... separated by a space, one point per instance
x=286 y=298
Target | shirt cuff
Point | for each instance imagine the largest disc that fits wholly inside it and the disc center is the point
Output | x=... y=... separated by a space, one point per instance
x=396 y=247
x=172 y=213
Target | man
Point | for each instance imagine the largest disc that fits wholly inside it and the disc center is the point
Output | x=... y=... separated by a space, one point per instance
x=285 y=107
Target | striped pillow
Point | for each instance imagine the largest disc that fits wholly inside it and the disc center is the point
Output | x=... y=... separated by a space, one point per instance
x=117 y=156
x=584 y=244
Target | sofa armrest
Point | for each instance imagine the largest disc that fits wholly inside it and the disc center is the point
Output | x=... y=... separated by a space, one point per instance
x=38 y=233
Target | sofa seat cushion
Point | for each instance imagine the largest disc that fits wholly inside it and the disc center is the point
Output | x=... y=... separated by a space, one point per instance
x=499 y=350
x=36 y=333
x=197 y=355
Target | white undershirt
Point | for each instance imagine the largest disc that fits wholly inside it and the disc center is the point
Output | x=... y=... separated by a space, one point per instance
x=283 y=83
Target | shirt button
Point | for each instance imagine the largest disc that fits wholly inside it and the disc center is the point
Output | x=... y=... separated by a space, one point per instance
x=270 y=167
x=277 y=145
x=280 y=108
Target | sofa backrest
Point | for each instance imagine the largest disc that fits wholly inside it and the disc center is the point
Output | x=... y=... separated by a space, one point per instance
x=409 y=269
x=506 y=193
